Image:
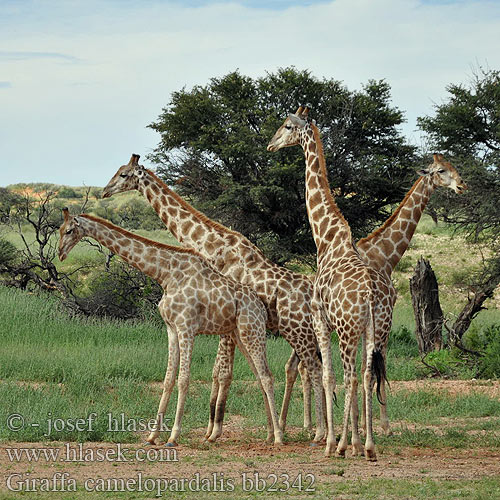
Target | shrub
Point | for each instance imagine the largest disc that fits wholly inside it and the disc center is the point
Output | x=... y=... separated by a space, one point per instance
x=120 y=292
x=487 y=342
x=8 y=252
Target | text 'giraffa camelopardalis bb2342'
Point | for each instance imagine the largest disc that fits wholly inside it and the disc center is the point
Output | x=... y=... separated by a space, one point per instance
x=197 y=300
x=286 y=294
x=349 y=296
x=384 y=247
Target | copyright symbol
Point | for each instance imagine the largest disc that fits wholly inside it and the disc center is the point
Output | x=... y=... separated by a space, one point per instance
x=15 y=422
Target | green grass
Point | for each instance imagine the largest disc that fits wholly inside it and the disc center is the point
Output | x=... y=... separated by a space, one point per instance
x=72 y=366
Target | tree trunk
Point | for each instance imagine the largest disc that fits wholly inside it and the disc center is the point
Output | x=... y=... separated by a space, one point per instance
x=428 y=313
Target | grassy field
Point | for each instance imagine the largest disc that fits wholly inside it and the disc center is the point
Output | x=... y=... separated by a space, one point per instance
x=54 y=367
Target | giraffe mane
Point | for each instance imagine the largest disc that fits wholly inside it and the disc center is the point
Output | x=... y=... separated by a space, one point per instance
x=220 y=228
x=393 y=216
x=323 y=178
x=137 y=237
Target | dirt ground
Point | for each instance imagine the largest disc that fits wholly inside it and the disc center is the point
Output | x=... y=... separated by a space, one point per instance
x=238 y=452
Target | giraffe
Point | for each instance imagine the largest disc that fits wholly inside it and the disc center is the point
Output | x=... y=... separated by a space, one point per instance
x=384 y=247
x=349 y=296
x=286 y=294
x=196 y=300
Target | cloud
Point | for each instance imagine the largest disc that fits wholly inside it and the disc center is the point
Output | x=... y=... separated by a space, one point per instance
x=90 y=75
x=25 y=56
x=5 y=85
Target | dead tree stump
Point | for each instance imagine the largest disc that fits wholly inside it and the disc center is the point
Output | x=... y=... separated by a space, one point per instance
x=428 y=313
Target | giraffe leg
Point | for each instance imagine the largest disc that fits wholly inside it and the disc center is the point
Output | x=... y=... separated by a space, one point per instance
x=168 y=383
x=357 y=447
x=324 y=342
x=221 y=381
x=214 y=392
x=291 y=371
x=370 y=452
x=348 y=353
x=314 y=370
x=363 y=397
x=306 y=396
x=384 y=419
x=225 y=377
x=252 y=343
x=182 y=388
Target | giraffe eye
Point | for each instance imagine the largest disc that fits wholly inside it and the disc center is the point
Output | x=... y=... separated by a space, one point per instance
x=123 y=175
x=288 y=127
x=441 y=171
x=69 y=231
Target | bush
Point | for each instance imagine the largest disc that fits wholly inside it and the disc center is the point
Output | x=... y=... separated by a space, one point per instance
x=487 y=342
x=8 y=252
x=404 y=340
x=120 y=292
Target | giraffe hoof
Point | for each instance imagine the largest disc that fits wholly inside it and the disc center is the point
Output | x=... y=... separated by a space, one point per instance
x=371 y=456
x=358 y=452
x=340 y=453
x=329 y=451
x=171 y=445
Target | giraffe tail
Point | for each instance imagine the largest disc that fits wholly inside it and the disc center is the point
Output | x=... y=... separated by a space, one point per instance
x=378 y=362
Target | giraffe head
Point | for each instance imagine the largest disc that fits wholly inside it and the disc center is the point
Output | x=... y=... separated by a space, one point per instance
x=289 y=134
x=443 y=173
x=126 y=178
x=70 y=234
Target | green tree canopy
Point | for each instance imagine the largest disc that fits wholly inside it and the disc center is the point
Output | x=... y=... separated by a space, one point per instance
x=213 y=150
x=467 y=127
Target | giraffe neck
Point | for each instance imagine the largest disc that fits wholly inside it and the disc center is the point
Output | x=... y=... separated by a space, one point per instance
x=152 y=258
x=228 y=251
x=327 y=223
x=384 y=247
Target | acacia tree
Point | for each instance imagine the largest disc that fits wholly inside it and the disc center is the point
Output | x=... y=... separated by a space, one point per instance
x=213 y=150
x=467 y=127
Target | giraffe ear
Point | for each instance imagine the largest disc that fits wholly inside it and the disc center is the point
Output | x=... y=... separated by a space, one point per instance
x=66 y=215
x=297 y=121
x=423 y=171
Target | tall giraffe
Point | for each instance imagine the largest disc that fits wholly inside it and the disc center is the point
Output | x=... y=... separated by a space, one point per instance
x=286 y=294
x=384 y=247
x=196 y=300
x=349 y=296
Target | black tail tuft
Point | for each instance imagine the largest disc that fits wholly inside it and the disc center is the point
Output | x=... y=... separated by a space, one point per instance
x=378 y=369
x=318 y=352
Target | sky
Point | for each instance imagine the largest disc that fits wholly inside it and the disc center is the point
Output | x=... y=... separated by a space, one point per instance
x=80 y=80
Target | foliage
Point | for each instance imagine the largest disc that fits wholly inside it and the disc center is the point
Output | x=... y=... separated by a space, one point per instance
x=487 y=341
x=8 y=202
x=467 y=128
x=131 y=213
x=213 y=149
x=8 y=253
x=121 y=291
